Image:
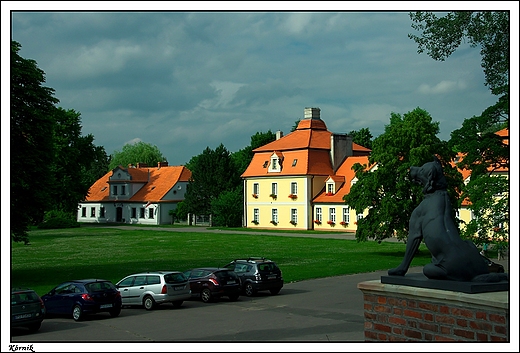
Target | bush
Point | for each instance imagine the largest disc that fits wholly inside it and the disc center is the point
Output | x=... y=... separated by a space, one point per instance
x=56 y=219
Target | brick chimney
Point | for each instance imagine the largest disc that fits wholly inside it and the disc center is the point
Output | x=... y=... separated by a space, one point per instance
x=340 y=148
x=279 y=134
x=311 y=113
x=162 y=164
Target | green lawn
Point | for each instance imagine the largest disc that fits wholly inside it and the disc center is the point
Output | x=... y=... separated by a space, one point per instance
x=58 y=255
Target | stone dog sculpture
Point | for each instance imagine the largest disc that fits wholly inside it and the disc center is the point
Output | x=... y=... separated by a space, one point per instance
x=452 y=258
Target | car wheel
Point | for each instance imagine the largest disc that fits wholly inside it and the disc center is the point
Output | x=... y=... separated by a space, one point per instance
x=34 y=327
x=177 y=304
x=148 y=303
x=77 y=313
x=206 y=296
x=234 y=297
x=249 y=290
x=115 y=312
x=275 y=290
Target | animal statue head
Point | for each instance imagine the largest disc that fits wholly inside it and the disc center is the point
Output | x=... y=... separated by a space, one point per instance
x=430 y=176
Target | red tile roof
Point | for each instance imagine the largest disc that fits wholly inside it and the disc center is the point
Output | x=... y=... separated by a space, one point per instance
x=158 y=181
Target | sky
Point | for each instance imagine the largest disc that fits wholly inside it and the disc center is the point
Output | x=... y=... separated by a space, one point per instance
x=184 y=80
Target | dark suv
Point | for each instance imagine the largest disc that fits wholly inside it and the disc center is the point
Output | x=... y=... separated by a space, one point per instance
x=211 y=283
x=257 y=274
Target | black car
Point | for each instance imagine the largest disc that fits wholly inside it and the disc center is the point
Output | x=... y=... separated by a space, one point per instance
x=257 y=274
x=493 y=266
x=211 y=283
x=81 y=297
x=27 y=309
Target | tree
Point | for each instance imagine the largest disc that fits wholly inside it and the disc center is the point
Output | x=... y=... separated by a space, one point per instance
x=32 y=107
x=387 y=192
x=362 y=137
x=212 y=173
x=74 y=156
x=228 y=208
x=139 y=152
x=441 y=36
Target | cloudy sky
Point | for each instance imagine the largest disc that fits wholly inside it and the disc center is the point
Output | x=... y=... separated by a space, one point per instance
x=187 y=80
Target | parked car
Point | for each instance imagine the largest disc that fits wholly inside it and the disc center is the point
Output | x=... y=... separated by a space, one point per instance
x=82 y=297
x=27 y=309
x=257 y=274
x=493 y=266
x=150 y=289
x=211 y=283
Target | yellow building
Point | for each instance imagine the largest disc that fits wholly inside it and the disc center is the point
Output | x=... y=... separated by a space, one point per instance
x=298 y=181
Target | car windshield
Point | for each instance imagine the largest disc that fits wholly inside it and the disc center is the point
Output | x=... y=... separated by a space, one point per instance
x=172 y=278
x=99 y=286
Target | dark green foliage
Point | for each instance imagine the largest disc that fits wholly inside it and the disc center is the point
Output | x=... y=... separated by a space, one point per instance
x=362 y=137
x=139 y=152
x=57 y=219
x=213 y=173
x=243 y=157
x=387 y=192
x=489 y=30
x=32 y=149
x=227 y=209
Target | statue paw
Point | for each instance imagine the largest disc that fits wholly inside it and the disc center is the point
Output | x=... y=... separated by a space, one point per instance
x=396 y=272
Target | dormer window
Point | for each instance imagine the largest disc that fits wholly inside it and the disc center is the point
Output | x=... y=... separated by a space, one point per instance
x=330 y=188
x=275 y=165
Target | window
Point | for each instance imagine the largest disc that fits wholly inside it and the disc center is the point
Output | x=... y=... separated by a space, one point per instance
x=274 y=164
x=294 y=162
x=123 y=190
x=294 y=215
x=318 y=214
x=346 y=214
x=102 y=212
x=92 y=212
x=150 y=213
x=330 y=188
x=134 y=212
x=141 y=212
x=256 y=215
x=83 y=212
x=153 y=280
x=332 y=214
x=274 y=189
x=274 y=215
x=114 y=189
x=294 y=188
x=256 y=189
x=359 y=216
x=265 y=164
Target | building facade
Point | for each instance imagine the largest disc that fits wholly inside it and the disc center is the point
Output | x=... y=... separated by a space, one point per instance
x=135 y=195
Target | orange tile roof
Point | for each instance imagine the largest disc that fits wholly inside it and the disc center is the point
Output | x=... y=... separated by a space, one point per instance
x=308 y=162
x=345 y=171
x=158 y=181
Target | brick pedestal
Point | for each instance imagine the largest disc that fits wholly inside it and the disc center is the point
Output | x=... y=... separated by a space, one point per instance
x=404 y=313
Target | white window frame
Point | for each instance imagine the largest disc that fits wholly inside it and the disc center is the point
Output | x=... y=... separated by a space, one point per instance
x=256 y=188
x=332 y=214
x=346 y=214
x=294 y=188
x=294 y=215
x=330 y=188
x=274 y=188
x=256 y=215
x=319 y=216
x=274 y=215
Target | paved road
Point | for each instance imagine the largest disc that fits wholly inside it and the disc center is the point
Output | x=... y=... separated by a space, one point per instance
x=321 y=310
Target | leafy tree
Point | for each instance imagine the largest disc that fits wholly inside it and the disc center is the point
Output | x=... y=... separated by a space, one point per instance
x=74 y=155
x=139 y=152
x=32 y=107
x=227 y=209
x=213 y=172
x=441 y=36
x=387 y=192
x=362 y=137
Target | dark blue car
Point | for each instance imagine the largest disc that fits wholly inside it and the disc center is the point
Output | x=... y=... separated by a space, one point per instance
x=81 y=297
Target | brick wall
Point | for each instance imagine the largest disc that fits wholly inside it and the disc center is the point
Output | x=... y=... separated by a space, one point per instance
x=400 y=313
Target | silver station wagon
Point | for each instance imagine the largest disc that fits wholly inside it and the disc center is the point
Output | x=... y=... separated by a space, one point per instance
x=150 y=289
